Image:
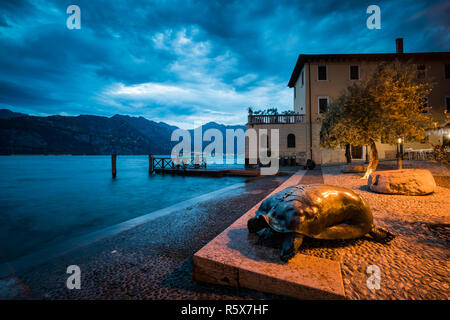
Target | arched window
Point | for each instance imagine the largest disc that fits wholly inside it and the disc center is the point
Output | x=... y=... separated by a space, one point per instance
x=291 y=141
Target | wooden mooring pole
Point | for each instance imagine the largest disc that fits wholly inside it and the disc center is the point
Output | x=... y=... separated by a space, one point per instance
x=113 y=165
x=150 y=164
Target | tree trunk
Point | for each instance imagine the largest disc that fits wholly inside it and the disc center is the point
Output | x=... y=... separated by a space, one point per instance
x=348 y=154
x=373 y=163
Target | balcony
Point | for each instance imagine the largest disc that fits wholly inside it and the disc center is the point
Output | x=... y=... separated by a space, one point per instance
x=276 y=119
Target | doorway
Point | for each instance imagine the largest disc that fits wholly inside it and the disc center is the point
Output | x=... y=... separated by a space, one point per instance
x=357 y=152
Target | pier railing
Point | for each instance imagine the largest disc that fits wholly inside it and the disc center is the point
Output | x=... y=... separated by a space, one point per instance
x=278 y=118
x=161 y=163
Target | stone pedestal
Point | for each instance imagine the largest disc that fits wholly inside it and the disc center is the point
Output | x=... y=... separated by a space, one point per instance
x=234 y=258
x=406 y=181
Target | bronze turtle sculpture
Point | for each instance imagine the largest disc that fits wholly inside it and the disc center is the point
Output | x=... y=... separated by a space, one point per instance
x=318 y=211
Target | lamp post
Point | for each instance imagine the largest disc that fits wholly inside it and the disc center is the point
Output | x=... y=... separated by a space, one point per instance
x=399 y=153
x=401 y=148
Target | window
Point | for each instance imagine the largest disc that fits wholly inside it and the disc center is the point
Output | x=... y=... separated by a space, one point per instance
x=291 y=141
x=323 y=104
x=447 y=71
x=322 y=73
x=447 y=103
x=303 y=78
x=420 y=71
x=295 y=92
x=354 y=72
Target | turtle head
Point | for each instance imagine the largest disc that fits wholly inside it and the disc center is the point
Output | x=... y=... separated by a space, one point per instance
x=288 y=218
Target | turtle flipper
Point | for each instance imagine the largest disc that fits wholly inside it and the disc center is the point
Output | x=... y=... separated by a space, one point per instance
x=290 y=246
x=381 y=235
x=266 y=234
x=257 y=223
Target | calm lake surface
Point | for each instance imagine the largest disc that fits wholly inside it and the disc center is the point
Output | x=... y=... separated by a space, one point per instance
x=48 y=199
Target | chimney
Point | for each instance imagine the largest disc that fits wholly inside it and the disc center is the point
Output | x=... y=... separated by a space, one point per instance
x=399 y=45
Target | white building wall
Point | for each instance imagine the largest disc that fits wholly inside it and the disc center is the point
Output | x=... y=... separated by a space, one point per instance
x=300 y=94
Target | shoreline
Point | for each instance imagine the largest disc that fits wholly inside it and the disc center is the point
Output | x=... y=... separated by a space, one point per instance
x=160 y=246
x=27 y=261
x=47 y=200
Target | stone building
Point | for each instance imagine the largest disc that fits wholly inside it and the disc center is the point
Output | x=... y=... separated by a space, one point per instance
x=319 y=78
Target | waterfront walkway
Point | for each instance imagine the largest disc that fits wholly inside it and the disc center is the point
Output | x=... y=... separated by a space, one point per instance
x=312 y=177
x=154 y=260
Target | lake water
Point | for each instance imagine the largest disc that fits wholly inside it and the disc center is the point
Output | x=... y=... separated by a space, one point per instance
x=48 y=199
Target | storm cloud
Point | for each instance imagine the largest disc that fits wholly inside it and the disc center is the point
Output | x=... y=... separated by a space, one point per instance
x=184 y=61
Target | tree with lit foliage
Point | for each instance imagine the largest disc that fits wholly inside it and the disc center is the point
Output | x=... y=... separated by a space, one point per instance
x=389 y=105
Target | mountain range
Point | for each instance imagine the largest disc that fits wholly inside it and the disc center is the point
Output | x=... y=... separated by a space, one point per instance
x=87 y=134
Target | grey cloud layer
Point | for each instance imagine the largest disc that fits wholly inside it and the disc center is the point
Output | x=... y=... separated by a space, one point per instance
x=180 y=61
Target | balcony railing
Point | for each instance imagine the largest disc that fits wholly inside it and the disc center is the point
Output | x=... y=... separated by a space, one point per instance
x=279 y=118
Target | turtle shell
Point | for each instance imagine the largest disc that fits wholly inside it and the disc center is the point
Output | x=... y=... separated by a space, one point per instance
x=312 y=209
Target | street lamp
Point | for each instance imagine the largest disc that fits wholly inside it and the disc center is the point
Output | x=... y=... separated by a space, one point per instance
x=399 y=153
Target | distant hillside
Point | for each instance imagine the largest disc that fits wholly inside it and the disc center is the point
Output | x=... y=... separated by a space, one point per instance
x=85 y=134
x=8 y=114
x=222 y=128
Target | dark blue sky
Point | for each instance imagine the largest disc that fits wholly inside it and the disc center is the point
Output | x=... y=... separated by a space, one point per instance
x=185 y=61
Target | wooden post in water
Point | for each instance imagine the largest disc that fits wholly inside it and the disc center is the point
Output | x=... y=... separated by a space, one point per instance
x=113 y=165
x=150 y=164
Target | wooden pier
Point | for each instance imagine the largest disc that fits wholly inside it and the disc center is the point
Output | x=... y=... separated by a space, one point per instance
x=193 y=166
x=186 y=166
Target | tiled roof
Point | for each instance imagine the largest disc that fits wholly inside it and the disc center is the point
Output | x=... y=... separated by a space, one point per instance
x=305 y=58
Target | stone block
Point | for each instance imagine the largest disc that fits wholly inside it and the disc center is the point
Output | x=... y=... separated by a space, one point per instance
x=406 y=181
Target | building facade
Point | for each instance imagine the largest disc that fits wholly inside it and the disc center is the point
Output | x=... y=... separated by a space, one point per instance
x=318 y=79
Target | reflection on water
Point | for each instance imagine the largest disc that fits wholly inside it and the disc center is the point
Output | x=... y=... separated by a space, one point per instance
x=47 y=199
